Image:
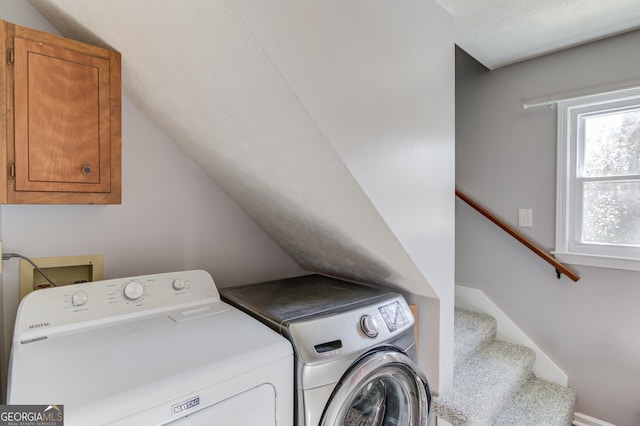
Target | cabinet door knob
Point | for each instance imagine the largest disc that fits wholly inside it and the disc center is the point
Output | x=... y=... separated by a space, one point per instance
x=87 y=170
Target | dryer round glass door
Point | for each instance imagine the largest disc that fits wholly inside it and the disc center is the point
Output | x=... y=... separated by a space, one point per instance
x=384 y=388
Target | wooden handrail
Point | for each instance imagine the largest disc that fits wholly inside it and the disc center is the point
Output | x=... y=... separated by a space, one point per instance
x=560 y=268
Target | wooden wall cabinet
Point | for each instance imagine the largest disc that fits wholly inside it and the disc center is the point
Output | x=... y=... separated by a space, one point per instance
x=62 y=143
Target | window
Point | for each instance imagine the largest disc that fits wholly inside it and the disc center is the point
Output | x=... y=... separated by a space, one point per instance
x=598 y=181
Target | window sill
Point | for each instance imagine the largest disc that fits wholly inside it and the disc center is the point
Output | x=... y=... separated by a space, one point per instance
x=598 y=261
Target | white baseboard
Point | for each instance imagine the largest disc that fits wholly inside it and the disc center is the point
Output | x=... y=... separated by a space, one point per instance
x=580 y=419
x=475 y=300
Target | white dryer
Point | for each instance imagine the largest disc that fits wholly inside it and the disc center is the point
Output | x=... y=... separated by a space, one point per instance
x=354 y=346
x=149 y=350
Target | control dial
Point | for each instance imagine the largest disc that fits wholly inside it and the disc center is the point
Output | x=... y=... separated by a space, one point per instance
x=79 y=298
x=369 y=326
x=179 y=284
x=133 y=290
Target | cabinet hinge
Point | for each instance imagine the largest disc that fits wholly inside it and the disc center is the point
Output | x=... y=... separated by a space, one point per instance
x=10 y=56
x=12 y=170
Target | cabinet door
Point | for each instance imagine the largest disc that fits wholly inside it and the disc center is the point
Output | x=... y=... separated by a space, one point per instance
x=66 y=110
x=61 y=119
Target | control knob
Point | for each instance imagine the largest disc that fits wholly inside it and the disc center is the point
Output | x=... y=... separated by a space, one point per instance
x=179 y=284
x=79 y=298
x=133 y=290
x=369 y=326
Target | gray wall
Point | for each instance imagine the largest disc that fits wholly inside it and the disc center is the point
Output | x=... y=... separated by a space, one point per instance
x=505 y=158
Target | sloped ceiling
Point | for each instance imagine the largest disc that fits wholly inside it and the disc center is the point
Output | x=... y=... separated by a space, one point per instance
x=196 y=70
x=501 y=32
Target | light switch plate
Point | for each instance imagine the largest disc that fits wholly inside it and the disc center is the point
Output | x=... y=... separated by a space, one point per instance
x=525 y=218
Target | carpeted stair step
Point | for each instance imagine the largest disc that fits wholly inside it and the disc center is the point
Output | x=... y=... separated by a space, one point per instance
x=493 y=383
x=539 y=403
x=472 y=331
x=485 y=383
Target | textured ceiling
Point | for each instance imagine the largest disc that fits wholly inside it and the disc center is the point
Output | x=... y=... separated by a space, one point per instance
x=501 y=32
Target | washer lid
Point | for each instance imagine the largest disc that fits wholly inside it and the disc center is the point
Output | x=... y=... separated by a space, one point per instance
x=114 y=371
x=287 y=300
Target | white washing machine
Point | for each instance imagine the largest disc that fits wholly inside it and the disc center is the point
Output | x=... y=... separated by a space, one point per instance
x=354 y=346
x=149 y=350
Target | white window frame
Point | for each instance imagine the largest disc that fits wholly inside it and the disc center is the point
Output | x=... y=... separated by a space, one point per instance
x=568 y=197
